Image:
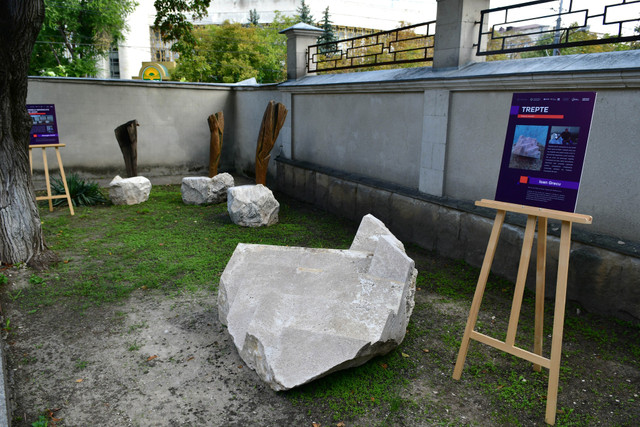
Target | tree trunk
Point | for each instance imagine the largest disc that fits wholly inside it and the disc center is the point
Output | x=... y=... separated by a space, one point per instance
x=272 y=122
x=216 y=126
x=20 y=230
x=127 y=136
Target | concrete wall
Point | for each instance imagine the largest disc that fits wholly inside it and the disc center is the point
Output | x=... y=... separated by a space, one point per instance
x=173 y=136
x=363 y=133
x=442 y=131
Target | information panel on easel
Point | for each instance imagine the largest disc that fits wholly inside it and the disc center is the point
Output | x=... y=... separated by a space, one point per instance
x=539 y=177
x=545 y=149
x=44 y=129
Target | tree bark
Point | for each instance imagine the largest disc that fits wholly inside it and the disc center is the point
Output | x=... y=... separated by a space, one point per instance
x=127 y=136
x=21 y=237
x=272 y=122
x=216 y=126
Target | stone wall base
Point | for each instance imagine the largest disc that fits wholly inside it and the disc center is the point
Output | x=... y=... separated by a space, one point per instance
x=601 y=280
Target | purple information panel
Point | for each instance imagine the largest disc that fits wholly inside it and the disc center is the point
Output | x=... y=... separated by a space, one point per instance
x=544 y=149
x=44 y=129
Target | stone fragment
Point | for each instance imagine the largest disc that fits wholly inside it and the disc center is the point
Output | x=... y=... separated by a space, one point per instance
x=252 y=205
x=369 y=231
x=129 y=191
x=202 y=190
x=297 y=314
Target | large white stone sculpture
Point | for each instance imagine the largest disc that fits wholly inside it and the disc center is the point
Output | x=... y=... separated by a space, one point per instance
x=129 y=191
x=202 y=190
x=297 y=314
x=252 y=205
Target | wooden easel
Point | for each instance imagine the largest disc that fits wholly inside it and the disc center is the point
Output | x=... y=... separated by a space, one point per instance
x=553 y=363
x=49 y=197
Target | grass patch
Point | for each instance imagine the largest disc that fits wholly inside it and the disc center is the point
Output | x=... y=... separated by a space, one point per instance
x=354 y=392
x=110 y=251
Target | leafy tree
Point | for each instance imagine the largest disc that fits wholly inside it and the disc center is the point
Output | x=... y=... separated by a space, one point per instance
x=254 y=17
x=76 y=34
x=174 y=24
x=20 y=229
x=304 y=14
x=327 y=35
x=232 y=52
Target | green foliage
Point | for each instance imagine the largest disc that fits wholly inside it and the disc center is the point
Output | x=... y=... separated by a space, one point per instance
x=42 y=422
x=304 y=14
x=3 y=279
x=76 y=34
x=327 y=35
x=82 y=193
x=232 y=52
x=174 y=24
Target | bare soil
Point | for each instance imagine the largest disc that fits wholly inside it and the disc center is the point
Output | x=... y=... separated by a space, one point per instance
x=165 y=360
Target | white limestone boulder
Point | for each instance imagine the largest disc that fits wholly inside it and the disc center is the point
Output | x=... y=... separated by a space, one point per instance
x=252 y=206
x=297 y=314
x=129 y=191
x=202 y=190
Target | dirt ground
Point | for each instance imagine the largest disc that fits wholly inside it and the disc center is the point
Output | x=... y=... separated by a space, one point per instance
x=161 y=360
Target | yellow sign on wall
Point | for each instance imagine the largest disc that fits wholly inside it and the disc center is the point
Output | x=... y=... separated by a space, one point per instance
x=151 y=73
x=155 y=71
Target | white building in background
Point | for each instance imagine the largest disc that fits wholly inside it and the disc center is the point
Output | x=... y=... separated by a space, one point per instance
x=142 y=44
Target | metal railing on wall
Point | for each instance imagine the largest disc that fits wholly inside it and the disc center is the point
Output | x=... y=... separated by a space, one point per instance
x=404 y=45
x=555 y=24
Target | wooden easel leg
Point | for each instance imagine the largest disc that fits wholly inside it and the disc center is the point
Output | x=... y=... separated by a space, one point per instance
x=521 y=279
x=64 y=181
x=541 y=266
x=30 y=161
x=558 y=322
x=477 y=297
x=46 y=178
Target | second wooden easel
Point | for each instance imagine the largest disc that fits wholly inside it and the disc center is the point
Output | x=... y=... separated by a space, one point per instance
x=50 y=197
x=540 y=216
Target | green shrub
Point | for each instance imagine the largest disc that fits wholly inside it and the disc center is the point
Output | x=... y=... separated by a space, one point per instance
x=83 y=193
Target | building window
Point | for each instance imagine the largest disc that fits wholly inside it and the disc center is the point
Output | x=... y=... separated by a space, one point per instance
x=114 y=63
x=160 y=51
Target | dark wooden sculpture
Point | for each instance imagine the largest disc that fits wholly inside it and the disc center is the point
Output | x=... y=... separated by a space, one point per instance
x=127 y=136
x=272 y=122
x=216 y=126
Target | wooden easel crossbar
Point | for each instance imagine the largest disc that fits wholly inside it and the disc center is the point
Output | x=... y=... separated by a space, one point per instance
x=540 y=216
x=50 y=197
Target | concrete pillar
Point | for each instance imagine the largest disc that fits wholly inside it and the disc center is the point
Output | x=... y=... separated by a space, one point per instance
x=457 y=32
x=434 y=141
x=299 y=38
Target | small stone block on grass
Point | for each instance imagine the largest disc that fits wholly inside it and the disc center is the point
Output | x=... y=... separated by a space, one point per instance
x=202 y=190
x=252 y=206
x=129 y=191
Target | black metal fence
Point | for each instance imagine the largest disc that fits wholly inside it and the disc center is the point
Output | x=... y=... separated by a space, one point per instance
x=404 y=45
x=555 y=24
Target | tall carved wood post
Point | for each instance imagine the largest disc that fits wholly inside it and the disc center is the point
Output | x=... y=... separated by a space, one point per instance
x=127 y=136
x=216 y=126
x=272 y=122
